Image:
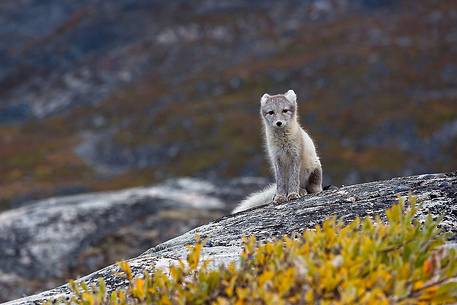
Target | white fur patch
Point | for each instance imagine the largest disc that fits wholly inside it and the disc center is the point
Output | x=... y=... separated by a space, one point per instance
x=291 y=96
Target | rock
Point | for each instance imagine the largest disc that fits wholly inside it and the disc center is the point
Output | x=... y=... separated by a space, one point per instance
x=44 y=243
x=267 y=222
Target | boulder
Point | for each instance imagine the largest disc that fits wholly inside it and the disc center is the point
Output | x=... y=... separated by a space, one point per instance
x=437 y=194
x=45 y=243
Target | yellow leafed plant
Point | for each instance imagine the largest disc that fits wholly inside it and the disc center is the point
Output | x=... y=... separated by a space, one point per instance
x=399 y=261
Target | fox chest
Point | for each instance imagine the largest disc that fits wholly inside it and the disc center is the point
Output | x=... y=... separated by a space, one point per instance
x=283 y=150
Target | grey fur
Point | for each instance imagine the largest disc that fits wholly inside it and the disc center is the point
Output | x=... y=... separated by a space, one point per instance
x=291 y=151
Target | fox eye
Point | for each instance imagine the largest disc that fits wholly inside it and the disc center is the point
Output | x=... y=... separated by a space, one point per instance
x=271 y=112
x=285 y=110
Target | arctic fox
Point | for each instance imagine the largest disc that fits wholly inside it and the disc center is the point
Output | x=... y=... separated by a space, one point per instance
x=291 y=151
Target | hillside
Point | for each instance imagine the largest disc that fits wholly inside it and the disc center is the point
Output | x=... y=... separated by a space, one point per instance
x=436 y=194
x=102 y=95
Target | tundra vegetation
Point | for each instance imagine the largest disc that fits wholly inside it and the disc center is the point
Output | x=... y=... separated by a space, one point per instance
x=397 y=260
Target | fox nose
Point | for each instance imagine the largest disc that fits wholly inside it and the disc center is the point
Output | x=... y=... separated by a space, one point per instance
x=279 y=123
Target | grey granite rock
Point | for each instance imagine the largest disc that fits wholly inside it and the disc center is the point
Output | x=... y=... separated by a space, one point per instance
x=437 y=194
x=44 y=243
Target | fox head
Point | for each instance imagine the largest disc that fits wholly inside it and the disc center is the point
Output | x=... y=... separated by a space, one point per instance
x=279 y=111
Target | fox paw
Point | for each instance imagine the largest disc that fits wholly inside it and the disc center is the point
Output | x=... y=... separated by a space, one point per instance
x=293 y=196
x=278 y=199
x=303 y=192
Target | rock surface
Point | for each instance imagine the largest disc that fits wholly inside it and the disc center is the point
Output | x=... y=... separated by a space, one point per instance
x=437 y=194
x=45 y=243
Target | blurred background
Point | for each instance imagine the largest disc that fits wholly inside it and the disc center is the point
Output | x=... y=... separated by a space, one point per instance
x=110 y=94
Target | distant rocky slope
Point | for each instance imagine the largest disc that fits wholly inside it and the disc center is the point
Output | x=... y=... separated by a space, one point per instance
x=109 y=94
x=45 y=243
x=436 y=193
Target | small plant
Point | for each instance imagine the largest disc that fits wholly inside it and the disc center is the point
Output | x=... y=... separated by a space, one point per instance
x=365 y=262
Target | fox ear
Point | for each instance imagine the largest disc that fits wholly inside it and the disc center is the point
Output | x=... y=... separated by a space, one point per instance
x=291 y=96
x=264 y=98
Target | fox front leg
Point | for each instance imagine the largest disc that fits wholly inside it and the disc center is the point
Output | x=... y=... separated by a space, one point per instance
x=281 y=186
x=294 y=179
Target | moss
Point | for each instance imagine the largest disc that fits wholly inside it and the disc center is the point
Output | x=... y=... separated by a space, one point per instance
x=365 y=262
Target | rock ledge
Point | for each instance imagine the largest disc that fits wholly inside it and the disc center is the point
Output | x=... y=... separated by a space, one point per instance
x=436 y=192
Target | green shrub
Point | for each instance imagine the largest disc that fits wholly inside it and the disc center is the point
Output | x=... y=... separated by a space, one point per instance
x=365 y=262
